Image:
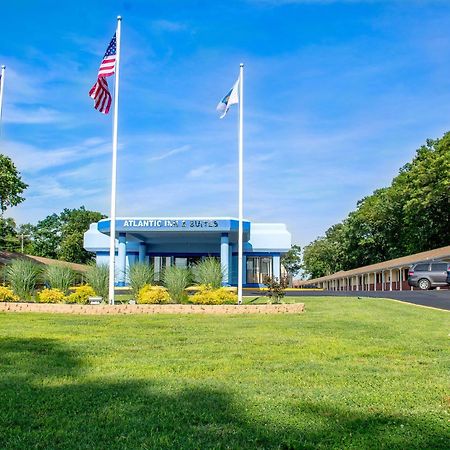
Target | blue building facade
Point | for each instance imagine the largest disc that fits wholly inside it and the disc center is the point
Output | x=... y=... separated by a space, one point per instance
x=166 y=241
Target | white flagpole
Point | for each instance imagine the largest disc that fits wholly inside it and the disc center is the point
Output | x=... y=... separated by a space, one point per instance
x=112 y=238
x=2 y=86
x=241 y=179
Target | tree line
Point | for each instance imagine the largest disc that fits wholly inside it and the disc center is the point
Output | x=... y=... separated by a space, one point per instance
x=58 y=236
x=409 y=216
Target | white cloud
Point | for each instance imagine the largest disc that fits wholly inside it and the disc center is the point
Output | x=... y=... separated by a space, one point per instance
x=30 y=158
x=168 y=25
x=30 y=116
x=200 y=171
x=169 y=153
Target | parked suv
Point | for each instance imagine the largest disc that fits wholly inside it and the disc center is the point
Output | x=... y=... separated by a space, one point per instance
x=428 y=275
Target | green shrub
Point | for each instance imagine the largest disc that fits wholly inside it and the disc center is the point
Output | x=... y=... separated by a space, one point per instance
x=23 y=276
x=208 y=271
x=276 y=288
x=176 y=280
x=149 y=294
x=59 y=277
x=139 y=275
x=50 y=296
x=98 y=278
x=7 y=295
x=207 y=295
x=81 y=294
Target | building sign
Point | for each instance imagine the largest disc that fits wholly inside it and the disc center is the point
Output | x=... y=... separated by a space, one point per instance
x=169 y=223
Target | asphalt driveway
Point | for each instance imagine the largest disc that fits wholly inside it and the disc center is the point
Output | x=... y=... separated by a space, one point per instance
x=436 y=299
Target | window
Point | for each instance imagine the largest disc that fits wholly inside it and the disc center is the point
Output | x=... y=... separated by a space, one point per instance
x=159 y=264
x=258 y=267
x=421 y=267
x=439 y=267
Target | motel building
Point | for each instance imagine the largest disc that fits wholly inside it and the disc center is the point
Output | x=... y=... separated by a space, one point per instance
x=389 y=275
x=184 y=241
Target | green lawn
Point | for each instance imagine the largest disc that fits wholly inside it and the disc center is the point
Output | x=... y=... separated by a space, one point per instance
x=347 y=373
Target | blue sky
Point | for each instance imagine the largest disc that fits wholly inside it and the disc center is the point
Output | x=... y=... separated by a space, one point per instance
x=339 y=94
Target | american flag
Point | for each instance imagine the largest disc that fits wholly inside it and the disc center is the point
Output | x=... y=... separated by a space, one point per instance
x=100 y=92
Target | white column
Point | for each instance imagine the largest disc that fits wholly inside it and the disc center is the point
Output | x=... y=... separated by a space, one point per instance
x=390 y=279
x=400 y=277
x=382 y=280
x=374 y=281
x=122 y=259
x=224 y=257
x=276 y=265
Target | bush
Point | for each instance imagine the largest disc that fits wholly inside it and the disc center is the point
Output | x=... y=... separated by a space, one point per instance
x=81 y=295
x=275 y=288
x=176 y=280
x=149 y=294
x=59 y=277
x=7 y=295
x=139 y=275
x=98 y=278
x=23 y=277
x=51 y=296
x=208 y=271
x=206 y=295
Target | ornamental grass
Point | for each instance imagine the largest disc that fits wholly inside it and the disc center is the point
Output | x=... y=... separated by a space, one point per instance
x=23 y=277
x=139 y=275
x=59 y=277
x=208 y=272
x=176 y=280
x=97 y=277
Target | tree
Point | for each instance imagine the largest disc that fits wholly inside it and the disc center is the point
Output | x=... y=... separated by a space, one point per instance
x=8 y=235
x=11 y=184
x=410 y=216
x=25 y=234
x=47 y=237
x=423 y=188
x=292 y=260
x=61 y=235
x=74 y=223
x=326 y=254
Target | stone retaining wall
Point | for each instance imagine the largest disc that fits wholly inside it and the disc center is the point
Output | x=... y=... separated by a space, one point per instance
x=293 y=308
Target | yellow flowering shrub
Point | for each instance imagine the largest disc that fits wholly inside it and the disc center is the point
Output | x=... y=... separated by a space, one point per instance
x=51 y=296
x=81 y=294
x=153 y=294
x=7 y=295
x=206 y=295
